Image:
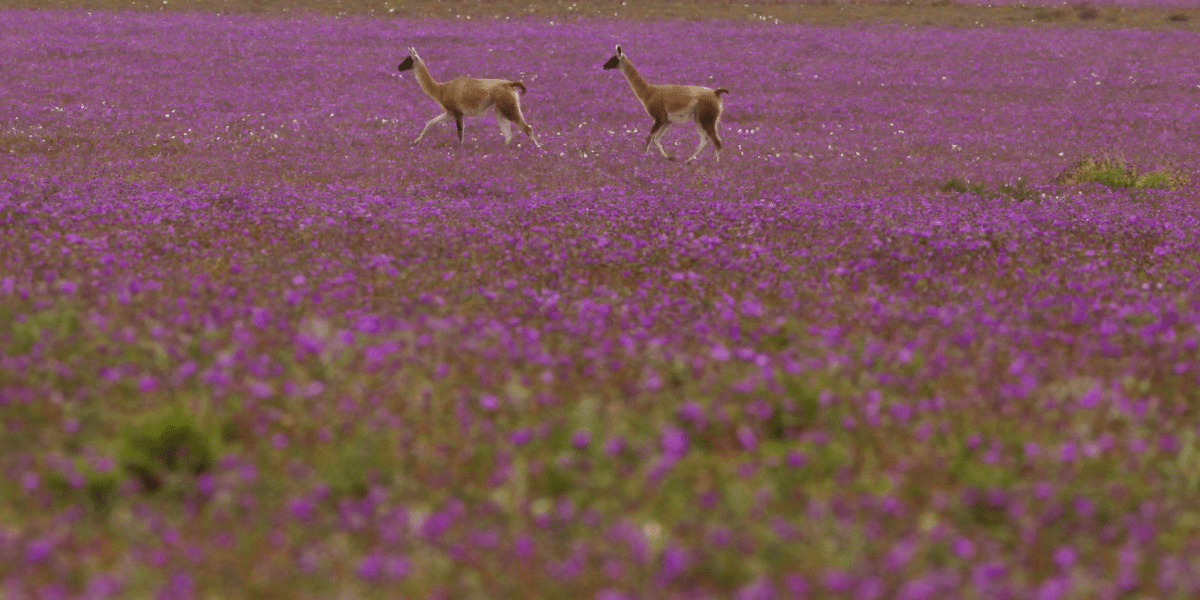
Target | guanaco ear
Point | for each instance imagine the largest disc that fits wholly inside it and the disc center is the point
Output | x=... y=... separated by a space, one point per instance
x=618 y=49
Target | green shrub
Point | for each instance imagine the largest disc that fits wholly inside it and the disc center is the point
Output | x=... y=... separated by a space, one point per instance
x=555 y=481
x=101 y=490
x=98 y=490
x=164 y=444
x=351 y=472
x=963 y=186
x=364 y=459
x=1019 y=190
x=1155 y=180
x=1115 y=172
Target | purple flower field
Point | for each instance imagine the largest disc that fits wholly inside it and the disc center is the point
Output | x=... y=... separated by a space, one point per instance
x=255 y=345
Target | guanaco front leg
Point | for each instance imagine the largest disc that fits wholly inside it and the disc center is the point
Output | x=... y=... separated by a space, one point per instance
x=437 y=119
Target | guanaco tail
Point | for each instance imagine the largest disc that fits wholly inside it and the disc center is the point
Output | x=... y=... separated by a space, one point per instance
x=466 y=96
x=669 y=104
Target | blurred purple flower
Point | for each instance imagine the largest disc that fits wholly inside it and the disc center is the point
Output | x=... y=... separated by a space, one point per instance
x=180 y=586
x=206 y=483
x=301 y=509
x=746 y=436
x=922 y=588
x=1085 y=506
x=1065 y=557
x=54 y=591
x=899 y=556
x=1067 y=452
x=759 y=589
x=147 y=384
x=613 y=569
x=489 y=402
x=869 y=588
x=693 y=412
x=260 y=317
x=581 y=439
x=611 y=594
x=1054 y=588
x=520 y=437
x=524 y=546
x=614 y=446
x=1090 y=398
x=37 y=551
x=838 y=581
x=674 y=442
x=675 y=561
x=796 y=585
x=964 y=547
x=102 y=587
x=370 y=567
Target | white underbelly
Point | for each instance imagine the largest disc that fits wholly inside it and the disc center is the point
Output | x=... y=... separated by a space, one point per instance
x=478 y=110
x=682 y=116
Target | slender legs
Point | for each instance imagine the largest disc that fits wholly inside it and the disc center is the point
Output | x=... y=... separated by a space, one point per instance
x=708 y=112
x=660 y=127
x=458 y=122
x=708 y=132
x=505 y=128
x=508 y=110
x=437 y=119
x=703 y=143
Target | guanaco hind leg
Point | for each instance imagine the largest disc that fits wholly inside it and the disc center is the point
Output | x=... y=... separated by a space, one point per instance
x=707 y=115
x=703 y=143
x=505 y=128
x=509 y=107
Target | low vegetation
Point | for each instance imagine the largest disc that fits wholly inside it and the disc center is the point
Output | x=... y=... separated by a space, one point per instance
x=1117 y=173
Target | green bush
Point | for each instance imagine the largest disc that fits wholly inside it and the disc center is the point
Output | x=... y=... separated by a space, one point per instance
x=1115 y=172
x=366 y=459
x=963 y=186
x=97 y=492
x=1019 y=190
x=101 y=491
x=165 y=444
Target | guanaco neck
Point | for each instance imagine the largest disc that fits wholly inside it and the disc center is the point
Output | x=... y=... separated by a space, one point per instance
x=640 y=86
x=425 y=79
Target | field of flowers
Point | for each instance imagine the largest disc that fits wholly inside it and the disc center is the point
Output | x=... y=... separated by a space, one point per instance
x=254 y=345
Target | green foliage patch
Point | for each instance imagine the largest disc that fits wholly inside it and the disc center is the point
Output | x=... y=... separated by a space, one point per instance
x=1117 y=173
x=163 y=446
x=1017 y=189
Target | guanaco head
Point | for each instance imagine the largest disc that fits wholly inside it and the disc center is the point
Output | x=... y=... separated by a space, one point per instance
x=412 y=58
x=615 y=61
